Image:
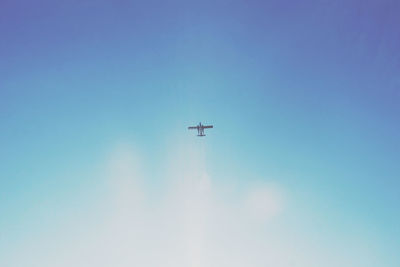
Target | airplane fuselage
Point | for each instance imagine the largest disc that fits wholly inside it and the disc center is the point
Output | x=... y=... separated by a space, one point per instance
x=200 y=129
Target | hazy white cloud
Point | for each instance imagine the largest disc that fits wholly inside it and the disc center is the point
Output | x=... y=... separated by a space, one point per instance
x=264 y=202
x=195 y=223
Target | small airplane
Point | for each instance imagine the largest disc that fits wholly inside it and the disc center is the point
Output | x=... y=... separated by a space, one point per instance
x=200 y=129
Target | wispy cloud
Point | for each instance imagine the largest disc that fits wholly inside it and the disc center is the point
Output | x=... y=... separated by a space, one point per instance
x=195 y=223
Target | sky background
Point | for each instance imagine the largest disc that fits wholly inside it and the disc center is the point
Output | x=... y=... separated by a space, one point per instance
x=98 y=167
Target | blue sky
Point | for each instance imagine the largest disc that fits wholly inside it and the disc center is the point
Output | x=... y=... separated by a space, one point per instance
x=304 y=97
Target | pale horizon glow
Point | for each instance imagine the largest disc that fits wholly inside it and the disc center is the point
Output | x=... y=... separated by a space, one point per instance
x=194 y=224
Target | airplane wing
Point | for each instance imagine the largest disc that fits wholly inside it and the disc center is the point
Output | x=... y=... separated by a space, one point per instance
x=192 y=127
x=207 y=126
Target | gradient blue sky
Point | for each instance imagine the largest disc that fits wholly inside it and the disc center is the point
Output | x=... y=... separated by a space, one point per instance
x=303 y=94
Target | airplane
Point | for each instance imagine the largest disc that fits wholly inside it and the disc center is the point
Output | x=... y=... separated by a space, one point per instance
x=200 y=129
